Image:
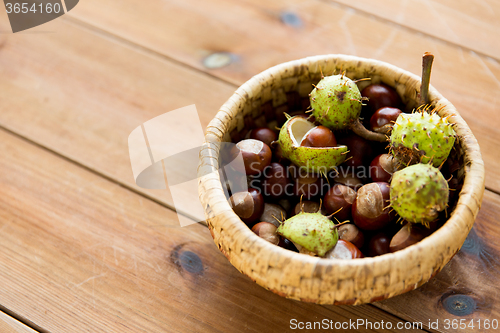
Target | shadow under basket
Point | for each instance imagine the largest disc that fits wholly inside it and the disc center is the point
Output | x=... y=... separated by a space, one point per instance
x=285 y=88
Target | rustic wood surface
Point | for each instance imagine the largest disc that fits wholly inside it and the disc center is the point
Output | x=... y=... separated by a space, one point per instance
x=471 y=276
x=82 y=248
x=260 y=34
x=11 y=325
x=82 y=254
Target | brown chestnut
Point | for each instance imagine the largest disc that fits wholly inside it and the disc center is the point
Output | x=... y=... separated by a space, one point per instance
x=307 y=206
x=344 y=250
x=360 y=151
x=370 y=210
x=339 y=197
x=380 y=95
x=379 y=244
x=275 y=181
x=267 y=231
x=234 y=182
x=256 y=155
x=264 y=134
x=287 y=205
x=319 y=136
x=278 y=155
x=410 y=234
x=349 y=232
x=348 y=180
x=309 y=186
x=273 y=213
x=287 y=244
x=382 y=167
x=249 y=206
x=383 y=119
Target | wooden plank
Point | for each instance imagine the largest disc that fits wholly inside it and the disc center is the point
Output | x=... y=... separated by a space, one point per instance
x=84 y=100
x=12 y=325
x=259 y=35
x=82 y=254
x=471 y=24
x=467 y=288
x=26 y=131
x=94 y=92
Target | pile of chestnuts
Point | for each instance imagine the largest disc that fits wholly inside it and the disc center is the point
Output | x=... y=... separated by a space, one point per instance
x=307 y=184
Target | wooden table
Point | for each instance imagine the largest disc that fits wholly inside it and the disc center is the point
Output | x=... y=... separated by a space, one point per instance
x=83 y=249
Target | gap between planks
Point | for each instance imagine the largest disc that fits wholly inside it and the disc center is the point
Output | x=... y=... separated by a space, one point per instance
x=352 y=309
x=142 y=49
x=163 y=57
x=104 y=175
x=139 y=48
x=19 y=321
x=110 y=177
x=107 y=34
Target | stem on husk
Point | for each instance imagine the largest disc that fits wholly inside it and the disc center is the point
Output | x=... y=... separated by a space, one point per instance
x=426 y=77
x=360 y=130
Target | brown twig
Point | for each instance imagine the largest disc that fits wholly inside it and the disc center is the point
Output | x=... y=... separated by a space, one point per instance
x=360 y=130
x=426 y=77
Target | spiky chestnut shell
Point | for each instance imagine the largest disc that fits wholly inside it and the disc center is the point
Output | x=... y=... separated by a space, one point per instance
x=422 y=137
x=319 y=160
x=336 y=102
x=418 y=193
x=313 y=231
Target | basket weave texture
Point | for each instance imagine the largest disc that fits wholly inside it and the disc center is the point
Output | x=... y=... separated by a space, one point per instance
x=330 y=281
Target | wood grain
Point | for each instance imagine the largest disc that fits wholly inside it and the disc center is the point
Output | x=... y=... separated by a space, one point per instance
x=472 y=275
x=84 y=100
x=471 y=24
x=64 y=227
x=258 y=37
x=12 y=325
x=94 y=91
x=82 y=254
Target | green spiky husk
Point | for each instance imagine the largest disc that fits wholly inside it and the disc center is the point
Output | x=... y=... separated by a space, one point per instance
x=422 y=137
x=313 y=231
x=336 y=102
x=418 y=193
x=317 y=160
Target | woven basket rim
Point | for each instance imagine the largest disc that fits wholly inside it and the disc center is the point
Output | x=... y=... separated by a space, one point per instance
x=453 y=232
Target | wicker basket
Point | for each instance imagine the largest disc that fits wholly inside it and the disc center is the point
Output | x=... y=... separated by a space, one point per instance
x=328 y=281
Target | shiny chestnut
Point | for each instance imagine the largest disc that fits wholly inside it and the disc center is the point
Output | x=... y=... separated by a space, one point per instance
x=273 y=213
x=360 y=151
x=308 y=206
x=264 y=134
x=370 y=210
x=349 y=232
x=383 y=119
x=380 y=95
x=319 y=136
x=379 y=244
x=275 y=182
x=287 y=244
x=249 y=205
x=256 y=156
x=382 y=167
x=309 y=186
x=348 y=180
x=267 y=231
x=339 y=197
x=410 y=234
x=344 y=250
